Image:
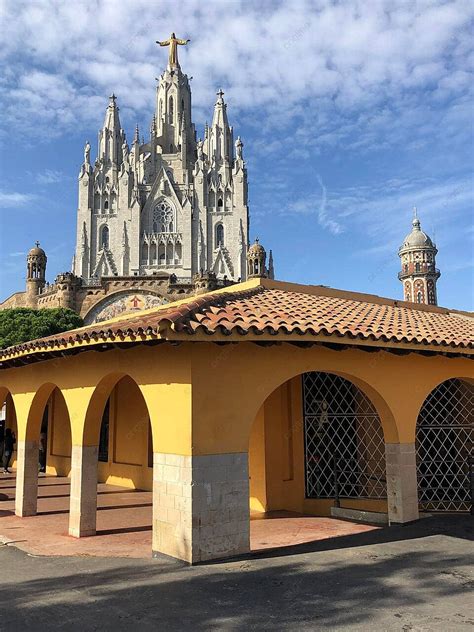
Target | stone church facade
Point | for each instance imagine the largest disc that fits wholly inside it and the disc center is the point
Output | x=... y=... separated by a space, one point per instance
x=156 y=220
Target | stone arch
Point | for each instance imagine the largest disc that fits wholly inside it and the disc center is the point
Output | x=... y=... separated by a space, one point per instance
x=122 y=302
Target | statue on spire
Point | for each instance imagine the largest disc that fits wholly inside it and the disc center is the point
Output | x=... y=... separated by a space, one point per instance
x=173 y=42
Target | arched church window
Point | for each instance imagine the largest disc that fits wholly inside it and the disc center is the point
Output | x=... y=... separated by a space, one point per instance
x=163 y=216
x=220 y=203
x=171 y=110
x=219 y=235
x=419 y=297
x=107 y=180
x=104 y=237
x=155 y=227
x=417 y=267
x=106 y=206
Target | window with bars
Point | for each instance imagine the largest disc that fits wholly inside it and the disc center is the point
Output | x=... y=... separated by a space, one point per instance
x=343 y=440
x=444 y=441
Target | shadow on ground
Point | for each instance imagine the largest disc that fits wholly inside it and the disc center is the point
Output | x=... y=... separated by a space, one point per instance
x=422 y=581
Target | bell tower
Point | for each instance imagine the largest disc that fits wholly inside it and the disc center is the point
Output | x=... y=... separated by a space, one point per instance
x=35 y=274
x=418 y=259
x=256 y=260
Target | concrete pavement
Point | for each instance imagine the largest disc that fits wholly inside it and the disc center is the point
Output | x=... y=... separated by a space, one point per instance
x=413 y=578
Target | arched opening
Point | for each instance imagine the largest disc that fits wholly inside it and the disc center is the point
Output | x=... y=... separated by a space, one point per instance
x=444 y=443
x=104 y=237
x=117 y=452
x=220 y=203
x=144 y=253
x=219 y=235
x=317 y=442
x=8 y=428
x=48 y=450
x=106 y=205
x=170 y=110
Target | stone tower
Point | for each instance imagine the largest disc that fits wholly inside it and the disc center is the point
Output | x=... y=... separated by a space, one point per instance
x=256 y=261
x=418 y=259
x=35 y=274
x=173 y=205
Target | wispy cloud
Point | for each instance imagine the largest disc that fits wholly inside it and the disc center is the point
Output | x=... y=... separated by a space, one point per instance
x=50 y=176
x=10 y=199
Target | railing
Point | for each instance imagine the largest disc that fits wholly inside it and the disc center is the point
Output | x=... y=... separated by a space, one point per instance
x=403 y=275
x=470 y=464
x=337 y=471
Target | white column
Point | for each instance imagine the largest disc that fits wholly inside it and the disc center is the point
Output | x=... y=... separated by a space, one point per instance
x=201 y=506
x=402 y=492
x=26 y=496
x=83 y=502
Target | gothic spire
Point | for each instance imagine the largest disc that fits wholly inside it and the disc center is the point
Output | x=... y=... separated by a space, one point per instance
x=111 y=136
x=220 y=132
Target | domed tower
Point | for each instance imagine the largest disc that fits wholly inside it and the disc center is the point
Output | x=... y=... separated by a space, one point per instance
x=36 y=274
x=256 y=259
x=419 y=273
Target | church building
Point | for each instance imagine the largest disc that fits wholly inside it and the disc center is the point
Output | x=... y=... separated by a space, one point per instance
x=158 y=220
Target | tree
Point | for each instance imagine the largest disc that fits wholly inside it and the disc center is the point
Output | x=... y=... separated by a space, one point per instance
x=21 y=324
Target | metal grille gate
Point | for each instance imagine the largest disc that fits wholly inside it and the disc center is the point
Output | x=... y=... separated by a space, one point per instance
x=344 y=444
x=444 y=442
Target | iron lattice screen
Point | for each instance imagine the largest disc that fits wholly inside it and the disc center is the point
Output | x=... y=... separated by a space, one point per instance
x=343 y=440
x=444 y=441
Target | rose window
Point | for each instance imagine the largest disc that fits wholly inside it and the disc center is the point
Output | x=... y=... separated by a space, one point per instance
x=163 y=218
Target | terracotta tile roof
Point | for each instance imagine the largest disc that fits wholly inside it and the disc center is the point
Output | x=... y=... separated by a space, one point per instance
x=269 y=309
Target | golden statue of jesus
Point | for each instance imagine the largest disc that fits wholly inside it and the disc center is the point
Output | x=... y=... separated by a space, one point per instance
x=173 y=43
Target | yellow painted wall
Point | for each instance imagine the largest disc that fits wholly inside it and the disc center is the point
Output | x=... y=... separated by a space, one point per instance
x=59 y=436
x=276 y=459
x=203 y=399
x=257 y=462
x=129 y=434
x=11 y=422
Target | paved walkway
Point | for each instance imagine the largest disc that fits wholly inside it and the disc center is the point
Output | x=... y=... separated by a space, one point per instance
x=417 y=578
x=124 y=523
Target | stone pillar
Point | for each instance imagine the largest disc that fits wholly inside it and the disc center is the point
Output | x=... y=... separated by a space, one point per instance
x=26 y=496
x=201 y=506
x=83 y=502
x=402 y=492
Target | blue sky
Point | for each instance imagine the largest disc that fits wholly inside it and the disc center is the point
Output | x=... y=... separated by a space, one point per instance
x=351 y=113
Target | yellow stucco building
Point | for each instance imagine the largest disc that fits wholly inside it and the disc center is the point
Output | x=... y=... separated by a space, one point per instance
x=263 y=396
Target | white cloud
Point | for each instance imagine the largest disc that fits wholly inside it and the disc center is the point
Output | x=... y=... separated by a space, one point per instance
x=50 y=176
x=363 y=68
x=10 y=199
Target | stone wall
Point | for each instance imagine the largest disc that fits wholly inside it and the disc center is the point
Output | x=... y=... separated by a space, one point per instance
x=201 y=506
